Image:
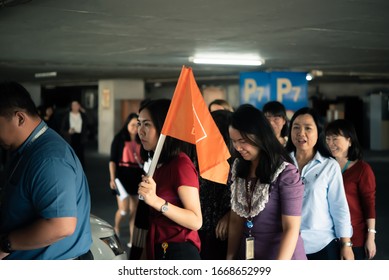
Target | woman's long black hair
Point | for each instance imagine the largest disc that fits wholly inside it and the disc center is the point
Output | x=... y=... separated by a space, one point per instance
x=124 y=130
x=158 y=110
x=256 y=130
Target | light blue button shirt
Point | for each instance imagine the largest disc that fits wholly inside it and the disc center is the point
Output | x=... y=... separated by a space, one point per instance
x=325 y=213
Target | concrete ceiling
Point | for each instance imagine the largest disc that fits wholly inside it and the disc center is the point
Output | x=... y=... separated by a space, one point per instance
x=84 y=41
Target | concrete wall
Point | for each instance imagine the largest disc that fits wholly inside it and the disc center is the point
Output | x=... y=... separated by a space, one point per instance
x=111 y=92
x=110 y=115
x=333 y=90
x=325 y=90
x=35 y=92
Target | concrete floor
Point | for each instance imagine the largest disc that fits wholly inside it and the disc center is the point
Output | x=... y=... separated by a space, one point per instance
x=104 y=203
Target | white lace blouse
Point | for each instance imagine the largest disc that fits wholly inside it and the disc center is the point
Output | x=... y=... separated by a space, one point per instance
x=239 y=194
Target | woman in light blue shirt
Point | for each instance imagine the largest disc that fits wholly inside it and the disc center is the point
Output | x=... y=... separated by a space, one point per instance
x=326 y=225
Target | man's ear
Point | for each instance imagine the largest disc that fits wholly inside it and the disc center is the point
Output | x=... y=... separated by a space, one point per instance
x=21 y=117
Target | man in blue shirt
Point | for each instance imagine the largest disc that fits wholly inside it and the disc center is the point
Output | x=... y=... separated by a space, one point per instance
x=45 y=203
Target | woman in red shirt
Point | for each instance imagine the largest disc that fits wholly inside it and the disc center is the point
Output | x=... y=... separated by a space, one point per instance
x=359 y=184
x=172 y=193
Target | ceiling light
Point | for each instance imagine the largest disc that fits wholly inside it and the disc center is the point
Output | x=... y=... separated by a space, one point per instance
x=45 y=74
x=314 y=74
x=227 y=60
x=317 y=73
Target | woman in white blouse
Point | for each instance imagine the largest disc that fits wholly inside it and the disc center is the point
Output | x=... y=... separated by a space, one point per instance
x=74 y=130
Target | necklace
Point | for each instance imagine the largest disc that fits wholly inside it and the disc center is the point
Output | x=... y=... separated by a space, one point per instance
x=345 y=167
x=250 y=188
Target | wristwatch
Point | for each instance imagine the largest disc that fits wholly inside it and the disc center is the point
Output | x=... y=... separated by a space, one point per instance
x=5 y=244
x=164 y=207
x=347 y=244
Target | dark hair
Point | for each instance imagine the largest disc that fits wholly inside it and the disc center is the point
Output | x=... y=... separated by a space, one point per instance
x=320 y=145
x=124 y=130
x=346 y=128
x=13 y=96
x=222 y=103
x=222 y=120
x=255 y=129
x=277 y=109
x=172 y=147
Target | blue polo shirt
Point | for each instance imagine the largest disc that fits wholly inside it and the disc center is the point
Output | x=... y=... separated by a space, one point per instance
x=47 y=181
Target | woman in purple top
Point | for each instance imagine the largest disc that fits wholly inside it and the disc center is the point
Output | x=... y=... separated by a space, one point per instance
x=266 y=193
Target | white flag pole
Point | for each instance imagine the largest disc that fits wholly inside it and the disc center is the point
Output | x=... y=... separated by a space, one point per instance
x=154 y=161
x=156 y=155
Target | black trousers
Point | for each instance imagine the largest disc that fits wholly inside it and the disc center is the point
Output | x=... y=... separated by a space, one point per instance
x=329 y=252
x=78 y=146
x=212 y=248
x=177 y=251
x=87 y=256
x=359 y=253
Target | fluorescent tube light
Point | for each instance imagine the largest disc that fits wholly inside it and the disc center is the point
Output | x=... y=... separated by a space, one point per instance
x=227 y=61
x=45 y=74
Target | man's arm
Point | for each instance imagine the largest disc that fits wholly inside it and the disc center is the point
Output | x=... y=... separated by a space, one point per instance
x=42 y=233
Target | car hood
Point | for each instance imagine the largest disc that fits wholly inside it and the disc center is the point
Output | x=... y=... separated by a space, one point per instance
x=100 y=227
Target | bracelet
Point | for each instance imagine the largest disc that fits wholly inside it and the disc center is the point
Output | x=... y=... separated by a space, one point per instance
x=371 y=230
x=347 y=244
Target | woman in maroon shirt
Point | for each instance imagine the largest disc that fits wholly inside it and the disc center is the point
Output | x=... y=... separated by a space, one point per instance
x=173 y=192
x=359 y=184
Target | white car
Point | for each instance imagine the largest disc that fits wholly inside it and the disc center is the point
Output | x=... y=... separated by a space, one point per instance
x=106 y=245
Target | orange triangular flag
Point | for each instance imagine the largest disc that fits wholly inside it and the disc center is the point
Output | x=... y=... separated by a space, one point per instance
x=189 y=119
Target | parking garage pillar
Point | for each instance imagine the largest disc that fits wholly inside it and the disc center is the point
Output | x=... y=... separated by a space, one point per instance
x=113 y=97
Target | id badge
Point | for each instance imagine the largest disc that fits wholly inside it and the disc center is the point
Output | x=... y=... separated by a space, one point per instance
x=250 y=248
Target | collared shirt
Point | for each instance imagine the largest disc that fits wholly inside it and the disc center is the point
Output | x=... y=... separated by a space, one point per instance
x=325 y=214
x=179 y=171
x=47 y=181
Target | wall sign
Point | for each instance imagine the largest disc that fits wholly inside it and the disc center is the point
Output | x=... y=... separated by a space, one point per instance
x=289 y=88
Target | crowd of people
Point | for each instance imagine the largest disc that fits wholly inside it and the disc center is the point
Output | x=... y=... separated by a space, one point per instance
x=297 y=189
